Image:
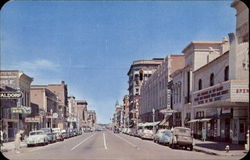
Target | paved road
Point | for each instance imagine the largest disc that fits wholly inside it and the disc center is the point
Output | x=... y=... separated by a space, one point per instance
x=105 y=145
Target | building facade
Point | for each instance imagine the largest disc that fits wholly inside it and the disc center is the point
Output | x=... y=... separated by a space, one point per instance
x=61 y=91
x=139 y=71
x=20 y=82
x=155 y=92
x=48 y=104
x=82 y=114
x=72 y=113
x=91 y=118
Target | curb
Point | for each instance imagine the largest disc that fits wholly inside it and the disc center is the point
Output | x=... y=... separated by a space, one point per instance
x=207 y=152
x=216 y=154
x=4 y=149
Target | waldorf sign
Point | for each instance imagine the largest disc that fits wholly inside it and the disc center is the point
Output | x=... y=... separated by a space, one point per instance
x=10 y=95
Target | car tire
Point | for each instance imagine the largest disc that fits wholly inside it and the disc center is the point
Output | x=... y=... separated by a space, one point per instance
x=191 y=147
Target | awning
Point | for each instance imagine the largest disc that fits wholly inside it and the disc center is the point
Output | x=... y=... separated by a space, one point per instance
x=162 y=122
x=199 y=120
x=205 y=119
x=193 y=120
x=151 y=124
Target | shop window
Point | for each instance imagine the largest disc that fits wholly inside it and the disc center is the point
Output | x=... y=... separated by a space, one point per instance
x=212 y=79
x=226 y=73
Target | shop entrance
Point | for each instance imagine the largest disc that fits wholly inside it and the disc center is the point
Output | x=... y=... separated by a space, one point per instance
x=227 y=129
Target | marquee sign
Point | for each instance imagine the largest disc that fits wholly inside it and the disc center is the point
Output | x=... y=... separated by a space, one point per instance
x=233 y=91
x=211 y=95
x=10 y=95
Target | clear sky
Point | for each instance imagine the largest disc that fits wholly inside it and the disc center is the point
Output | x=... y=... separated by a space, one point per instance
x=91 y=45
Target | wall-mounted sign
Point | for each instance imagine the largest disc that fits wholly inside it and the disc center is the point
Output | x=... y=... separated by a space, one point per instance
x=55 y=115
x=21 y=110
x=10 y=95
x=26 y=109
x=16 y=110
x=226 y=110
x=210 y=95
x=32 y=119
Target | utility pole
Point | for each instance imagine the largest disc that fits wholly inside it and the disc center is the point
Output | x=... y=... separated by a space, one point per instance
x=153 y=110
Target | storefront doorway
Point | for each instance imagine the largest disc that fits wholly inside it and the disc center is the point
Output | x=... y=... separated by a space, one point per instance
x=227 y=130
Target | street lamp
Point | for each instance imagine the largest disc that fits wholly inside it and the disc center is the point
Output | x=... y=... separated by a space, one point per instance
x=153 y=110
x=51 y=112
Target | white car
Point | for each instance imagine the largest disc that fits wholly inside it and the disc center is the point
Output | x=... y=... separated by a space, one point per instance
x=37 y=137
x=57 y=131
x=147 y=134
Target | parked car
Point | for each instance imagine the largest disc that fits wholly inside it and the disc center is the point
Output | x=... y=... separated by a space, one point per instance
x=50 y=134
x=181 y=137
x=38 y=137
x=159 y=134
x=65 y=134
x=128 y=131
x=57 y=131
x=116 y=130
x=165 y=137
x=147 y=134
x=139 y=133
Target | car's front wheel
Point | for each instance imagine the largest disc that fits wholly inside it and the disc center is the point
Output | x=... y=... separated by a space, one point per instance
x=191 y=147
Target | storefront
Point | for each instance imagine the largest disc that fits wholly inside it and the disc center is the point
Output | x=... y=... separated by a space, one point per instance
x=222 y=112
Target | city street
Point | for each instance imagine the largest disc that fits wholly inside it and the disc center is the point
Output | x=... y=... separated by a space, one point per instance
x=107 y=145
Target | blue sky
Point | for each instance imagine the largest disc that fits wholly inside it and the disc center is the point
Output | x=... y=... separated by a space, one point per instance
x=91 y=45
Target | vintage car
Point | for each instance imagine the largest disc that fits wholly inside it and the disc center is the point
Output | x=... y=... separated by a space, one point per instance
x=57 y=131
x=158 y=134
x=50 y=134
x=38 y=137
x=165 y=137
x=181 y=137
x=147 y=134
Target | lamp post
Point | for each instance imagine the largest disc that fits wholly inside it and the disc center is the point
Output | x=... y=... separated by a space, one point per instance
x=153 y=110
x=51 y=111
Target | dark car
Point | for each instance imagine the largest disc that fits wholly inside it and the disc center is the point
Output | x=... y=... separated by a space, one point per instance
x=116 y=130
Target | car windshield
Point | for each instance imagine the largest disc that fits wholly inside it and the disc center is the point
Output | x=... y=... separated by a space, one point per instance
x=168 y=133
x=36 y=133
x=183 y=131
x=46 y=129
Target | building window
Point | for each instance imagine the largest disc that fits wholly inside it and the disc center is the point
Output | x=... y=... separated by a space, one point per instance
x=200 y=84
x=212 y=79
x=226 y=73
x=141 y=75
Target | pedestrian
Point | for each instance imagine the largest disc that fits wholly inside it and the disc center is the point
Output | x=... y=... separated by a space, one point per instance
x=5 y=137
x=17 y=142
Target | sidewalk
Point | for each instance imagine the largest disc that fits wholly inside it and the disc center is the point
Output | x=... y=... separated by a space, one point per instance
x=8 y=146
x=218 y=148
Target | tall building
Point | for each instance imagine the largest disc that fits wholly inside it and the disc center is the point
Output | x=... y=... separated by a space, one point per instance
x=48 y=104
x=139 y=71
x=91 y=118
x=82 y=114
x=125 y=112
x=73 y=115
x=118 y=115
x=16 y=80
x=155 y=91
x=61 y=91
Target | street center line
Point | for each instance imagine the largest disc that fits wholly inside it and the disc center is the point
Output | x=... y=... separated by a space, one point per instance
x=82 y=142
x=127 y=141
x=104 y=142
